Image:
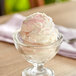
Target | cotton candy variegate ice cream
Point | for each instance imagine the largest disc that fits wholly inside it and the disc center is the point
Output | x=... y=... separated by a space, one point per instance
x=39 y=28
x=38 y=39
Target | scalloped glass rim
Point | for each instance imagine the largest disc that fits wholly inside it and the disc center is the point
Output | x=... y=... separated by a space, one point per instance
x=15 y=38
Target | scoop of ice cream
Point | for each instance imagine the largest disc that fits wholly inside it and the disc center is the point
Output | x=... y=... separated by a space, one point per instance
x=38 y=28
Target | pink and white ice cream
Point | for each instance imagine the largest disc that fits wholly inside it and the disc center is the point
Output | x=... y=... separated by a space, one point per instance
x=39 y=28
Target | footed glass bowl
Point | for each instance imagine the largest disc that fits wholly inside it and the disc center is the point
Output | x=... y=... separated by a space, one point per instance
x=37 y=55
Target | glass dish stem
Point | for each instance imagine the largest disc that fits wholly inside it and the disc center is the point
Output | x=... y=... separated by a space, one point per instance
x=38 y=70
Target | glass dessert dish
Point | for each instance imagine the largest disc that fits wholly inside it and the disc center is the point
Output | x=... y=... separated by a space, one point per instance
x=37 y=55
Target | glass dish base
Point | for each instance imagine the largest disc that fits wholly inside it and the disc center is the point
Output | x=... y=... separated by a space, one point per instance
x=36 y=72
